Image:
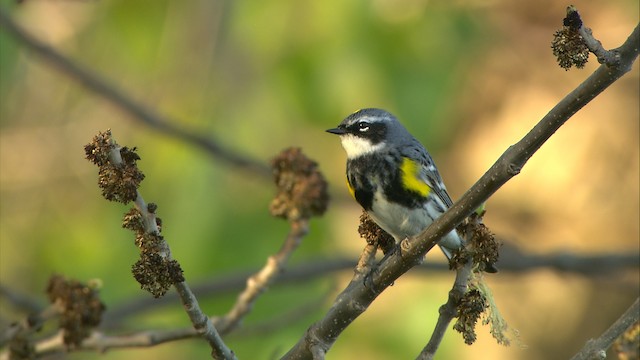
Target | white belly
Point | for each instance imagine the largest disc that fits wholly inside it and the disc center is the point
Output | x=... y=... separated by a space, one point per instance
x=401 y=222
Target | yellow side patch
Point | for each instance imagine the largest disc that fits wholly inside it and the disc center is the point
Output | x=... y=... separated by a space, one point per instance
x=351 y=191
x=409 y=175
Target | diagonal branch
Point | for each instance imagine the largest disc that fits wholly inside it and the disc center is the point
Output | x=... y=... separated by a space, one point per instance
x=100 y=342
x=260 y=281
x=447 y=312
x=597 y=348
x=514 y=262
x=124 y=102
x=156 y=270
x=357 y=296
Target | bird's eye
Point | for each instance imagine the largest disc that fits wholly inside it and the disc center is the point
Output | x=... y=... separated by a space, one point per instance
x=363 y=126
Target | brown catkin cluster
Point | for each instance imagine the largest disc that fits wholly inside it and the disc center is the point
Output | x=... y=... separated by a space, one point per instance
x=302 y=189
x=470 y=309
x=154 y=271
x=119 y=180
x=373 y=234
x=80 y=308
x=482 y=246
x=568 y=46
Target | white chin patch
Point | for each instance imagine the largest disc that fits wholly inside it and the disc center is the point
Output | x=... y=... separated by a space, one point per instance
x=355 y=146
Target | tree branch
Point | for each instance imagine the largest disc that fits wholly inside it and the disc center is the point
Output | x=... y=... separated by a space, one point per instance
x=574 y=21
x=100 y=342
x=123 y=101
x=597 y=348
x=447 y=312
x=23 y=302
x=356 y=297
x=321 y=335
x=260 y=281
x=511 y=261
x=156 y=271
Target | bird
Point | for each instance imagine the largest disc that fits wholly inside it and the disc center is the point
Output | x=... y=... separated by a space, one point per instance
x=393 y=177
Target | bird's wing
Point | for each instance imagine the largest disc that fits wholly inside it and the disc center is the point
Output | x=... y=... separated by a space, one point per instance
x=429 y=174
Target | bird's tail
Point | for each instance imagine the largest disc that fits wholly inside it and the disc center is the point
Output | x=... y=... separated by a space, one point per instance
x=451 y=242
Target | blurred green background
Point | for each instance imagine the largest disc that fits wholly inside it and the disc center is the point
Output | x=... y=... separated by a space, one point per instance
x=467 y=78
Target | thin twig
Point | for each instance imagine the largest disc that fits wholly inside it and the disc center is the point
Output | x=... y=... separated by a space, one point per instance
x=201 y=322
x=28 y=325
x=356 y=298
x=589 y=265
x=282 y=320
x=260 y=281
x=597 y=348
x=124 y=102
x=512 y=261
x=447 y=312
x=22 y=302
x=203 y=326
x=101 y=342
x=605 y=57
x=365 y=262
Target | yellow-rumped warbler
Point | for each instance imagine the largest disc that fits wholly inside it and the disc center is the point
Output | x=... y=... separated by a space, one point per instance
x=393 y=177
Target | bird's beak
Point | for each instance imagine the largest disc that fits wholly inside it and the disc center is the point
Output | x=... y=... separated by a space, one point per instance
x=337 y=131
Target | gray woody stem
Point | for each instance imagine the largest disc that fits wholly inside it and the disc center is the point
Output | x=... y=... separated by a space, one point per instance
x=357 y=296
